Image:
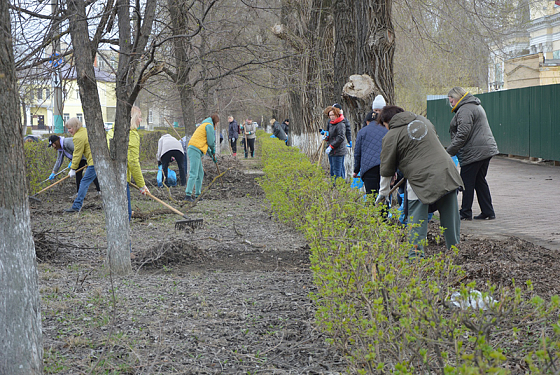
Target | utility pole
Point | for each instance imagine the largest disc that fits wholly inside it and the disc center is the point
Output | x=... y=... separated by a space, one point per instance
x=56 y=60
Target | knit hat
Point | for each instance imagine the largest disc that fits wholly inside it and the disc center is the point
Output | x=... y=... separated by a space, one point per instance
x=336 y=105
x=378 y=103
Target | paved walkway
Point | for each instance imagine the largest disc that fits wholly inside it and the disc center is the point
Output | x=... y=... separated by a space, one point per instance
x=526 y=198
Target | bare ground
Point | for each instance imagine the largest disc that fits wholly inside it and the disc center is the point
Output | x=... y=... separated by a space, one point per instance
x=230 y=297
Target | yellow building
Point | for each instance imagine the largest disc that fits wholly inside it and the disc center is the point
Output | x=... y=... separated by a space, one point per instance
x=530 y=57
x=39 y=100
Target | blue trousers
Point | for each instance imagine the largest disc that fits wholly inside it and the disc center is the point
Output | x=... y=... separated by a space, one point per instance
x=337 y=166
x=88 y=178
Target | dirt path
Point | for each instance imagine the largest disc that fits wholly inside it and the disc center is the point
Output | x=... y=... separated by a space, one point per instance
x=231 y=297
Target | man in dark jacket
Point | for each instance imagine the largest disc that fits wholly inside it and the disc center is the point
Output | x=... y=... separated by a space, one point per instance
x=233 y=134
x=473 y=143
x=412 y=145
x=277 y=130
x=367 y=153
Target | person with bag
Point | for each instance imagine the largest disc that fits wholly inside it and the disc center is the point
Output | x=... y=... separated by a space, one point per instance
x=412 y=145
x=202 y=141
x=169 y=149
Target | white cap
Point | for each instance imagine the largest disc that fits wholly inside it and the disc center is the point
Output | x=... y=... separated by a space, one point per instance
x=378 y=103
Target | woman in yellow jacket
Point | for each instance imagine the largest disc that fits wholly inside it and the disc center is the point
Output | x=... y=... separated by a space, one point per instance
x=202 y=141
x=133 y=160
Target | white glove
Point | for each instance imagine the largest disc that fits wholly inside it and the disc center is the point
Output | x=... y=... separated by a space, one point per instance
x=381 y=199
x=144 y=190
x=328 y=150
x=72 y=173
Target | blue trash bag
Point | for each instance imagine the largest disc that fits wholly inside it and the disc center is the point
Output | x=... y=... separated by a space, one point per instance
x=455 y=160
x=357 y=182
x=171 y=177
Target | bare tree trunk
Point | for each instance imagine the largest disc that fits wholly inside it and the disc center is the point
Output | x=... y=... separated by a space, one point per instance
x=364 y=44
x=111 y=173
x=21 y=343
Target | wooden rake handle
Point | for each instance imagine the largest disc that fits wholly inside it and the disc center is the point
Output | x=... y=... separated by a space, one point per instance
x=58 y=182
x=171 y=126
x=162 y=202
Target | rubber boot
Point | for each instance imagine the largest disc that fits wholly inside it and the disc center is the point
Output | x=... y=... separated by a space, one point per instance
x=245 y=155
x=252 y=154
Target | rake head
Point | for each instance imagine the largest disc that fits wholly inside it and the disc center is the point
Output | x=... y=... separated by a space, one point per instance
x=189 y=223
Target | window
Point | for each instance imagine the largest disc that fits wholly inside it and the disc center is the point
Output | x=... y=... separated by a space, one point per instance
x=101 y=63
x=47 y=93
x=556 y=55
x=78 y=94
x=150 y=117
x=40 y=94
x=80 y=117
x=66 y=117
x=498 y=74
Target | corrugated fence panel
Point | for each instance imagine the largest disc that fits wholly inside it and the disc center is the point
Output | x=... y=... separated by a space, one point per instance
x=525 y=122
x=508 y=116
x=439 y=113
x=545 y=122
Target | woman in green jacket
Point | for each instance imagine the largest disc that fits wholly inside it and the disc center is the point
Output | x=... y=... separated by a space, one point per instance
x=133 y=169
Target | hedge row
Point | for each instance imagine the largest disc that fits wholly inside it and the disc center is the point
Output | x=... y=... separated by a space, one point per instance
x=387 y=315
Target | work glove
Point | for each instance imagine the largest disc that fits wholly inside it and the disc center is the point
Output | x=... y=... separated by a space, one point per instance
x=72 y=173
x=70 y=165
x=329 y=149
x=272 y=136
x=349 y=145
x=325 y=135
x=321 y=131
x=144 y=190
x=381 y=199
x=51 y=177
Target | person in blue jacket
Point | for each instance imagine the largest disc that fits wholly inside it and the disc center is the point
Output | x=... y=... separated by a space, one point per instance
x=367 y=153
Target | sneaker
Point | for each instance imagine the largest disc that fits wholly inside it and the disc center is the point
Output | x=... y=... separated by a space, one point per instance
x=199 y=199
x=484 y=217
x=189 y=198
x=70 y=210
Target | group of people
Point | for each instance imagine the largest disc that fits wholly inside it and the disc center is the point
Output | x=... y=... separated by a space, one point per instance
x=77 y=150
x=396 y=142
x=246 y=131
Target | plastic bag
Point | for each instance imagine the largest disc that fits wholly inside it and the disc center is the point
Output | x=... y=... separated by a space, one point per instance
x=171 y=177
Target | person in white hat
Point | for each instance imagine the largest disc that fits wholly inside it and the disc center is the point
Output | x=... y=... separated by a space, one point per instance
x=377 y=105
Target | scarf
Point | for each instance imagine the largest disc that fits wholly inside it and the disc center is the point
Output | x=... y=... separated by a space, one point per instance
x=339 y=119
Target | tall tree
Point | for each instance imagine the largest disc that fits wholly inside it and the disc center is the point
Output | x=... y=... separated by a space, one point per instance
x=20 y=313
x=134 y=60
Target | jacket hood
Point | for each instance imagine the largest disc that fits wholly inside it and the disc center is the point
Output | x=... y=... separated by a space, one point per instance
x=401 y=119
x=469 y=98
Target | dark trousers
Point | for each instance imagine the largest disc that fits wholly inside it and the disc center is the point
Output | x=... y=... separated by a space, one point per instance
x=371 y=180
x=80 y=174
x=233 y=143
x=179 y=158
x=251 y=142
x=474 y=179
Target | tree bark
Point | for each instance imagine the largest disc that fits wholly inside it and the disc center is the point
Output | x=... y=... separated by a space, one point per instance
x=110 y=172
x=21 y=345
x=364 y=44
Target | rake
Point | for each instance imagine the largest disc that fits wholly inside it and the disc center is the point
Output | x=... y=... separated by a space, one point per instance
x=180 y=224
x=33 y=197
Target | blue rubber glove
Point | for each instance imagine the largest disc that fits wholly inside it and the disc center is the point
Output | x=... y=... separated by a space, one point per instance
x=272 y=136
x=51 y=177
x=325 y=136
x=329 y=149
x=349 y=145
x=70 y=164
x=321 y=131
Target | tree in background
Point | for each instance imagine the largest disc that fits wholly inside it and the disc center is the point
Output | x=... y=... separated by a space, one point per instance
x=21 y=344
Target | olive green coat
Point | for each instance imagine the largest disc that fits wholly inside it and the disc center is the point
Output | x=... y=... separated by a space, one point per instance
x=415 y=149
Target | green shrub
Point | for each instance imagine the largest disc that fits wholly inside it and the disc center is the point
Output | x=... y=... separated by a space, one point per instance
x=39 y=161
x=390 y=316
x=149 y=143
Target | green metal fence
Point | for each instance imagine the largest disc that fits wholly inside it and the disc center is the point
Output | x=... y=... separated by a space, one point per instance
x=525 y=122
